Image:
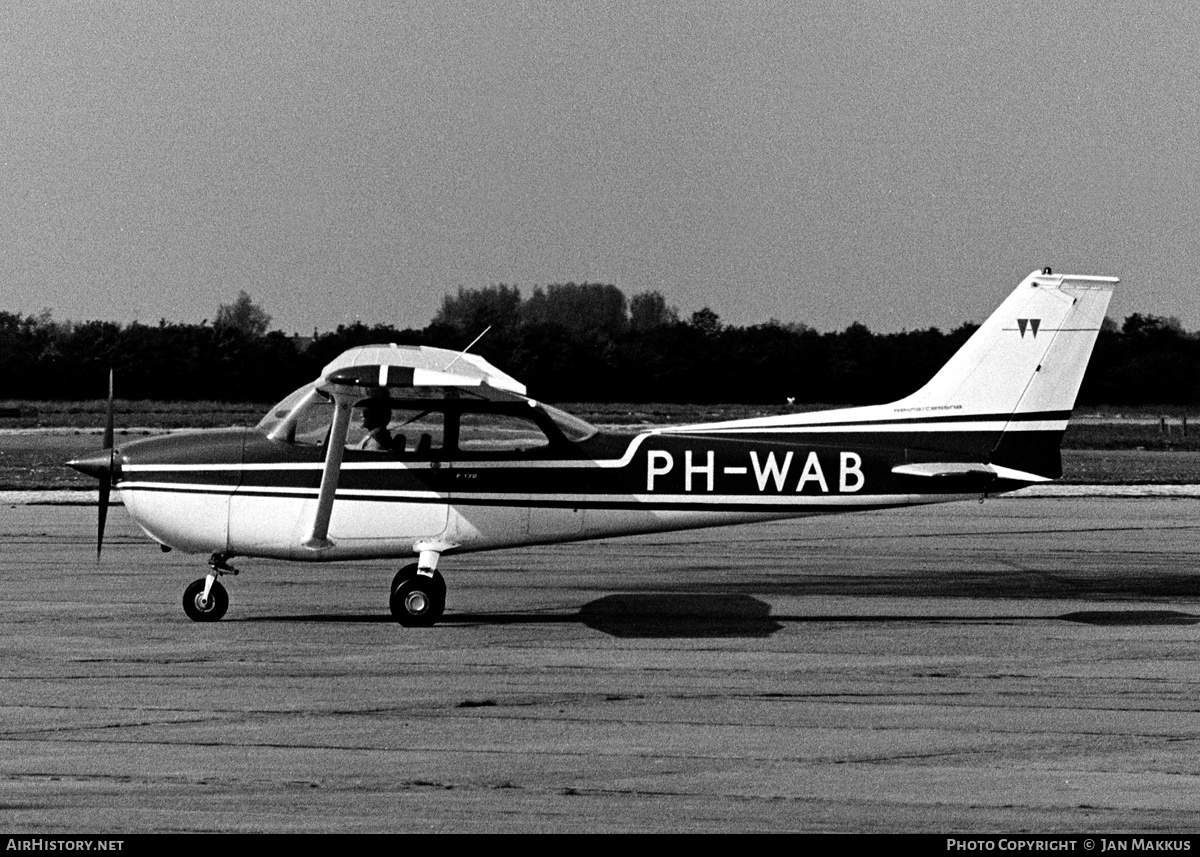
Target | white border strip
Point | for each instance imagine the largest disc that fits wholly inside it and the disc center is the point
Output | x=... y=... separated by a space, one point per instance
x=1058 y=492
x=889 y=428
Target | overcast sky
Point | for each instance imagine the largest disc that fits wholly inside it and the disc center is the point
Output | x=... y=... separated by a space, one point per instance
x=903 y=164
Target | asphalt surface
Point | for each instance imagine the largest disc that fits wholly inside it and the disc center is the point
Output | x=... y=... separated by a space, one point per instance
x=1020 y=665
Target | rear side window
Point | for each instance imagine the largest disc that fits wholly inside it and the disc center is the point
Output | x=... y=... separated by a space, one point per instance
x=499 y=434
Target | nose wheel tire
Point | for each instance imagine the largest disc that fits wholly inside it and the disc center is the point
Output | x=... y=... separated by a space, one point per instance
x=200 y=610
x=418 y=601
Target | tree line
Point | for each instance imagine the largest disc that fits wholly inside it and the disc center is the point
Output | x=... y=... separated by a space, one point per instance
x=568 y=343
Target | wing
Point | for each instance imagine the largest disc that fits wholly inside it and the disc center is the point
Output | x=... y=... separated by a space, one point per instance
x=398 y=366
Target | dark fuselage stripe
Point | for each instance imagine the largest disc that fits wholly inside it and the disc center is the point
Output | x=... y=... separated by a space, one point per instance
x=648 y=502
x=899 y=423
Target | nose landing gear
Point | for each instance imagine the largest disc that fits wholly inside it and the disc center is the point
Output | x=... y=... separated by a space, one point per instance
x=202 y=607
x=206 y=600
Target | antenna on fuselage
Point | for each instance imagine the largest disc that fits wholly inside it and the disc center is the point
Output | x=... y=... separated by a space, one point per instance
x=468 y=348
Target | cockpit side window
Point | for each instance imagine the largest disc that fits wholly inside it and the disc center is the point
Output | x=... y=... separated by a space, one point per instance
x=403 y=431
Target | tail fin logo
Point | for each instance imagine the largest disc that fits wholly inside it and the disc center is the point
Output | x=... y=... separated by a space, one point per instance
x=1032 y=324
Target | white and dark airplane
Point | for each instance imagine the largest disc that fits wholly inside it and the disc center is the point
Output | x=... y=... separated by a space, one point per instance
x=418 y=452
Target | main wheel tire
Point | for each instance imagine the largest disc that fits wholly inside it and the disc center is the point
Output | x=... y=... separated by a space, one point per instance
x=410 y=571
x=418 y=602
x=214 y=609
x=403 y=575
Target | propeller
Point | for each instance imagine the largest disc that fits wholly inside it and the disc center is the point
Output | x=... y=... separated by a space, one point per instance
x=100 y=465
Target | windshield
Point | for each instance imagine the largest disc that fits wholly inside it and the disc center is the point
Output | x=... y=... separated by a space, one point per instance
x=303 y=417
x=280 y=412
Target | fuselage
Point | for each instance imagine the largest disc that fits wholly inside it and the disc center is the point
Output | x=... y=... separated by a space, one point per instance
x=241 y=492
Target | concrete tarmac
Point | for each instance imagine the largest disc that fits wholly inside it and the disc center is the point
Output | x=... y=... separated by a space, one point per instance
x=1020 y=665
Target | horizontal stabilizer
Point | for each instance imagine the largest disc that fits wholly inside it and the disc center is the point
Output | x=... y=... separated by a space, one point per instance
x=966 y=471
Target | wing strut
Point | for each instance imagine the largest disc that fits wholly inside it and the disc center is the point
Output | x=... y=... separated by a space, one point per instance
x=318 y=536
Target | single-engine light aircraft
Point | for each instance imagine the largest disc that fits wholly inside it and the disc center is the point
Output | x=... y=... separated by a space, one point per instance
x=417 y=452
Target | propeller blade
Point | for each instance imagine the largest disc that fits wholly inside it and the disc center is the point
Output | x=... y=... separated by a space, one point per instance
x=108 y=423
x=106 y=478
x=105 y=472
x=99 y=466
x=105 y=489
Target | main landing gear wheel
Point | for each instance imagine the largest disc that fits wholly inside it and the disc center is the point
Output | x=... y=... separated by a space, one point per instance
x=199 y=610
x=417 y=601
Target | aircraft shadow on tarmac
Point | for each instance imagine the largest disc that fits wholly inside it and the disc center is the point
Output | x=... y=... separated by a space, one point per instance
x=649 y=615
x=667 y=615
x=1008 y=583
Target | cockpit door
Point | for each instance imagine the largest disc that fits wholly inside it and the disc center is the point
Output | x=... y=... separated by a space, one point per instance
x=394 y=485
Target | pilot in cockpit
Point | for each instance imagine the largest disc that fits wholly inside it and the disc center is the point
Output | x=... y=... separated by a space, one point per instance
x=375 y=419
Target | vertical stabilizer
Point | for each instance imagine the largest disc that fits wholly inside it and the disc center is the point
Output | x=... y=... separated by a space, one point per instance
x=1030 y=355
x=1022 y=369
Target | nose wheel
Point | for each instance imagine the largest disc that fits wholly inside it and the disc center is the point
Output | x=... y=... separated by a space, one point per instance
x=418 y=597
x=205 y=609
x=206 y=600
